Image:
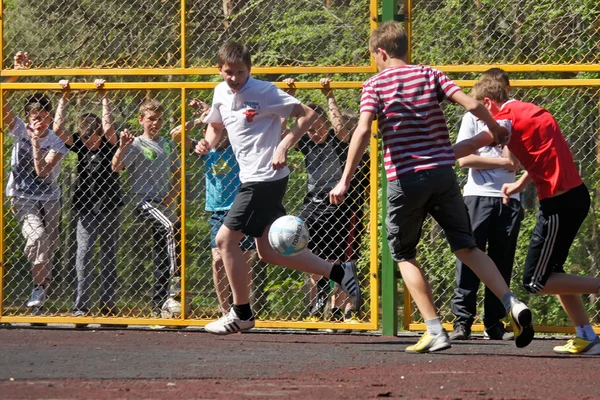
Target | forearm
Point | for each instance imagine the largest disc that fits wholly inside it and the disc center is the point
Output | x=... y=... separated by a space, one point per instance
x=358 y=146
x=176 y=132
x=523 y=181
x=341 y=131
x=478 y=162
x=117 y=160
x=302 y=124
x=59 y=120
x=469 y=146
x=108 y=125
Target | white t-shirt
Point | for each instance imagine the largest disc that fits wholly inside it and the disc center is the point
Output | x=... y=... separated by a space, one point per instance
x=252 y=118
x=23 y=181
x=483 y=182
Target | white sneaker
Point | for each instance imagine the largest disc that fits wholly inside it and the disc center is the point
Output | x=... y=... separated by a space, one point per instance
x=522 y=322
x=229 y=323
x=350 y=284
x=38 y=297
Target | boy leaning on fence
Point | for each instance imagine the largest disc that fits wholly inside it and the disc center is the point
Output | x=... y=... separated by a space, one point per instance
x=251 y=111
x=419 y=160
x=222 y=182
x=96 y=199
x=32 y=185
x=154 y=173
x=495 y=226
x=539 y=145
x=334 y=229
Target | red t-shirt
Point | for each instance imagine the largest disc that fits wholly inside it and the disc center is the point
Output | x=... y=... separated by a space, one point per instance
x=540 y=146
x=406 y=100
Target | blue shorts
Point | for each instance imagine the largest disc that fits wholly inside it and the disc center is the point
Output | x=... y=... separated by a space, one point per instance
x=215 y=221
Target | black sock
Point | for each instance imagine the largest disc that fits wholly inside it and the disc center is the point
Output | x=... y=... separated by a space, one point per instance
x=337 y=273
x=243 y=311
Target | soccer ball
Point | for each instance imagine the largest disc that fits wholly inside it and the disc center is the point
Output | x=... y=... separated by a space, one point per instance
x=171 y=309
x=288 y=235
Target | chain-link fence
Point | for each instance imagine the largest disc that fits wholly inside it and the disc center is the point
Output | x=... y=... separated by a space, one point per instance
x=84 y=242
x=577 y=111
x=174 y=34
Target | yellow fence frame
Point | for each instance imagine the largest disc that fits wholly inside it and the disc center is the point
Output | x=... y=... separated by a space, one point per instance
x=372 y=324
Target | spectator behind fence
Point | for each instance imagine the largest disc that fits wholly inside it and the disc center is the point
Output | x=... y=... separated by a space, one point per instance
x=222 y=183
x=495 y=226
x=32 y=185
x=96 y=199
x=251 y=111
x=334 y=229
x=419 y=160
x=154 y=168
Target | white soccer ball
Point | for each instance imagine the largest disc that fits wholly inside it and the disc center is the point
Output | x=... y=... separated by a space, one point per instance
x=288 y=235
x=171 y=309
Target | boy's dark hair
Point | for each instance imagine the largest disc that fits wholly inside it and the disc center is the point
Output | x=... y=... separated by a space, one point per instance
x=318 y=109
x=150 y=105
x=490 y=88
x=498 y=74
x=391 y=37
x=234 y=53
x=88 y=124
x=38 y=102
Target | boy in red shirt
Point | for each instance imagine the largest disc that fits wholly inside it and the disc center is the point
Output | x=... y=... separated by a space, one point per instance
x=539 y=145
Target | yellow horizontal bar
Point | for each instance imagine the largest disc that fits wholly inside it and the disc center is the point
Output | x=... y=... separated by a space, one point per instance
x=522 y=67
x=366 y=326
x=163 y=85
x=540 y=82
x=182 y=71
x=479 y=328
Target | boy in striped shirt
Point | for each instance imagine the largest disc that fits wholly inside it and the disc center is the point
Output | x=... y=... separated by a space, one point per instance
x=419 y=160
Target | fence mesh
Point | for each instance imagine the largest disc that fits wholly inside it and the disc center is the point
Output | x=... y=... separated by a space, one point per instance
x=148 y=34
x=577 y=113
x=136 y=224
x=449 y=32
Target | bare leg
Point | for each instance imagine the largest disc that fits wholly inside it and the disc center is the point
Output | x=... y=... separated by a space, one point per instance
x=559 y=283
x=220 y=280
x=485 y=269
x=575 y=309
x=419 y=287
x=235 y=264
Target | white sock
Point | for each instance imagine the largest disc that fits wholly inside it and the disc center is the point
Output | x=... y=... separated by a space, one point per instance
x=434 y=326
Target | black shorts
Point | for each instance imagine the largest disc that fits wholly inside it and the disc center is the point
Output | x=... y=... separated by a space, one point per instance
x=334 y=231
x=256 y=206
x=411 y=197
x=558 y=222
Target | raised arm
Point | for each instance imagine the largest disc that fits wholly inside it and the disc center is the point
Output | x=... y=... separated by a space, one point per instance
x=358 y=145
x=108 y=124
x=304 y=118
x=500 y=135
x=342 y=132
x=61 y=115
x=202 y=109
x=21 y=61
x=125 y=140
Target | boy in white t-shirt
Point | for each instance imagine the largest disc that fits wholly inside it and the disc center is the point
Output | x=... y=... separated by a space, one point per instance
x=495 y=226
x=251 y=111
x=33 y=184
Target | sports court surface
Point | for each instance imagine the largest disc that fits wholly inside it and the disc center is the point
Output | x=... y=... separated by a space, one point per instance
x=57 y=363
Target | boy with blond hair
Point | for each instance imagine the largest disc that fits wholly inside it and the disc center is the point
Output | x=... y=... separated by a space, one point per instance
x=251 y=111
x=419 y=160
x=154 y=169
x=539 y=145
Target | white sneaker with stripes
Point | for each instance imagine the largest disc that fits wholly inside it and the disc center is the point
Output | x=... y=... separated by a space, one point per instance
x=350 y=284
x=229 y=323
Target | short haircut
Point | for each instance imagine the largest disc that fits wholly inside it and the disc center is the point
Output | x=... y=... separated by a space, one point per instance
x=150 y=105
x=38 y=102
x=498 y=74
x=234 y=52
x=491 y=89
x=88 y=124
x=318 y=109
x=391 y=37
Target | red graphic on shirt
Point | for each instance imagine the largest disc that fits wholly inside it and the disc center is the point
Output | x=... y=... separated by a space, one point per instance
x=250 y=114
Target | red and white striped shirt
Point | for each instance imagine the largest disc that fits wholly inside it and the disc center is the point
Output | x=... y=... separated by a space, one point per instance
x=406 y=100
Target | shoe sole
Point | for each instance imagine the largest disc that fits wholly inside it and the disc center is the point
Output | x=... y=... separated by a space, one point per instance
x=229 y=333
x=524 y=320
x=439 y=347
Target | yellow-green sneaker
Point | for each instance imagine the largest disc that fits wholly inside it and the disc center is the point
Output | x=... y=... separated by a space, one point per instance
x=429 y=343
x=580 y=346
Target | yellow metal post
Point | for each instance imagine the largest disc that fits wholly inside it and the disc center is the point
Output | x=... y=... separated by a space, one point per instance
x=183 y=34
x=182 y=199
x=1 y=200
x=374 y=227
